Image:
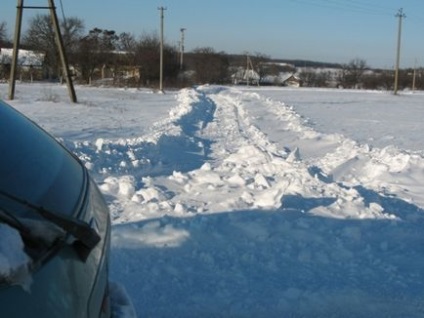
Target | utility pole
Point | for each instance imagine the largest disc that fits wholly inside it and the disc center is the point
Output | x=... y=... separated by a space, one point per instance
x=182 y=48
x=62 y=54
x=414 y=75
x=16 y=44
x=161 y=49
x=400 y=15
x=59 y=42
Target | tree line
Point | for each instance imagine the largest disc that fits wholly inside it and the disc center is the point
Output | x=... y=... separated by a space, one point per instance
x=101 y=55
x=356 y=74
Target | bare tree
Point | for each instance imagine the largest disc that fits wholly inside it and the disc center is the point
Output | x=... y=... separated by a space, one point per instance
x=314 y=78
x=352 y=73
x=126 y=42
x=72 y=32
x=3 y=33
x=127 y=46
x=96 y=52
x=210 y=66
x=40 y=37
x=147 y=56
x=4 y=61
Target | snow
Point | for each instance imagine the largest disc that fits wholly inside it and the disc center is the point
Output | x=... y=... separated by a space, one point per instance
x=250 y=201
x=14 y=261
x=25 y=57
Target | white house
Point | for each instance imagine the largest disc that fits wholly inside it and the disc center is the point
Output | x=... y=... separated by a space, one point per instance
x=26 y=58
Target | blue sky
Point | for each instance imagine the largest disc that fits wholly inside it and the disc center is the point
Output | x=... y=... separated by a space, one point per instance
x=321 y=30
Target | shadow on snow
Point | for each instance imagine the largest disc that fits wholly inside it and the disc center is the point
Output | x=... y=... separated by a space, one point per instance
x=282 y=263
x=183 y=152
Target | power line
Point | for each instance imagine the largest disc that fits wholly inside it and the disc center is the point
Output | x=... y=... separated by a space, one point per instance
x=344 y=6
x=372 y=6
x=367 y=8
x=63 y=11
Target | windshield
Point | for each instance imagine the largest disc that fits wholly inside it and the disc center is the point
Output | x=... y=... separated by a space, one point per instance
x=33 y=166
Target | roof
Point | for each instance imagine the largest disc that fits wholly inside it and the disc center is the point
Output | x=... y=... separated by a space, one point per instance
x=25 y=57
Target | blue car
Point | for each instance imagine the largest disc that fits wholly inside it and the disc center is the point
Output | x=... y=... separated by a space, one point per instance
x=53 y=216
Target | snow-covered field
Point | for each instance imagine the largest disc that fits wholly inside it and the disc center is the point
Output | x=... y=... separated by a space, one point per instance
x=253 y=202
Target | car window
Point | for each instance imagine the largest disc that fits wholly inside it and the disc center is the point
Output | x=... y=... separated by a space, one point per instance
x=34 y=167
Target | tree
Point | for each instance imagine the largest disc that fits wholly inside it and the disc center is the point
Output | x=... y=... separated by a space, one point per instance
x=210 y=66
x=314 y=78
x=352 y=73
x=72 y=32
x=148 y=59
x=379 y=79
x=40 y=37
x=127 y=46
x=126 y=42
x=259 y=62
x=147 y=56
x=3 y=31
x=5 y=62
x=96 y=52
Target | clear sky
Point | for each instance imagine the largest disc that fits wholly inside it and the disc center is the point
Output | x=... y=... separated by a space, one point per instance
x=320 y=30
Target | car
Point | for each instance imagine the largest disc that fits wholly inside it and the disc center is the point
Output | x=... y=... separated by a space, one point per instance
x=54 y=227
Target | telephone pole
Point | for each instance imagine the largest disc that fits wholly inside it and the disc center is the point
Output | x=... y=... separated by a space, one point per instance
x=400 y=15
x=16 y=44
x=161 y=9
x=414 y=75
x=182 y=48
x=59 y=43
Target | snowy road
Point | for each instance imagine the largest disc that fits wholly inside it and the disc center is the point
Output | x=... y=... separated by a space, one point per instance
x=228 y=203
x=255 y=231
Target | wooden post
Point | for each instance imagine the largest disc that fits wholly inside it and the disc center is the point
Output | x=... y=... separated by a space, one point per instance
x=62 y=54
x=15 y=49
x=59 y=43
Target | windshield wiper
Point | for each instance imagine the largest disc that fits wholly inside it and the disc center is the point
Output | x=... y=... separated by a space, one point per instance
x=13 y=221
x=80 y=230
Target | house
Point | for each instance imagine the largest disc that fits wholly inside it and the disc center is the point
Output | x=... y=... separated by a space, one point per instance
x=282 y=79
x=26 y=58
x=29 y=62
x=291 y=80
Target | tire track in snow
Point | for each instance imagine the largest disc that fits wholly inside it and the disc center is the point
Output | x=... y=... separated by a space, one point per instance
x=256 y=262
x=340 y=159
x=243 y=168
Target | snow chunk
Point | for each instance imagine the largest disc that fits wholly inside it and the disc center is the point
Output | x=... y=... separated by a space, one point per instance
x=179 y=208
x=99 y=144
x=261 y=181
x=206 y=167
x=123 y=186
x=178 y=177
x=13 y=260
x=236 y=180
x=148 y=195
x=294 y=155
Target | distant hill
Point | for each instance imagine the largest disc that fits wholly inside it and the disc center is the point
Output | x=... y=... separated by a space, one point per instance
x=305 y=63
